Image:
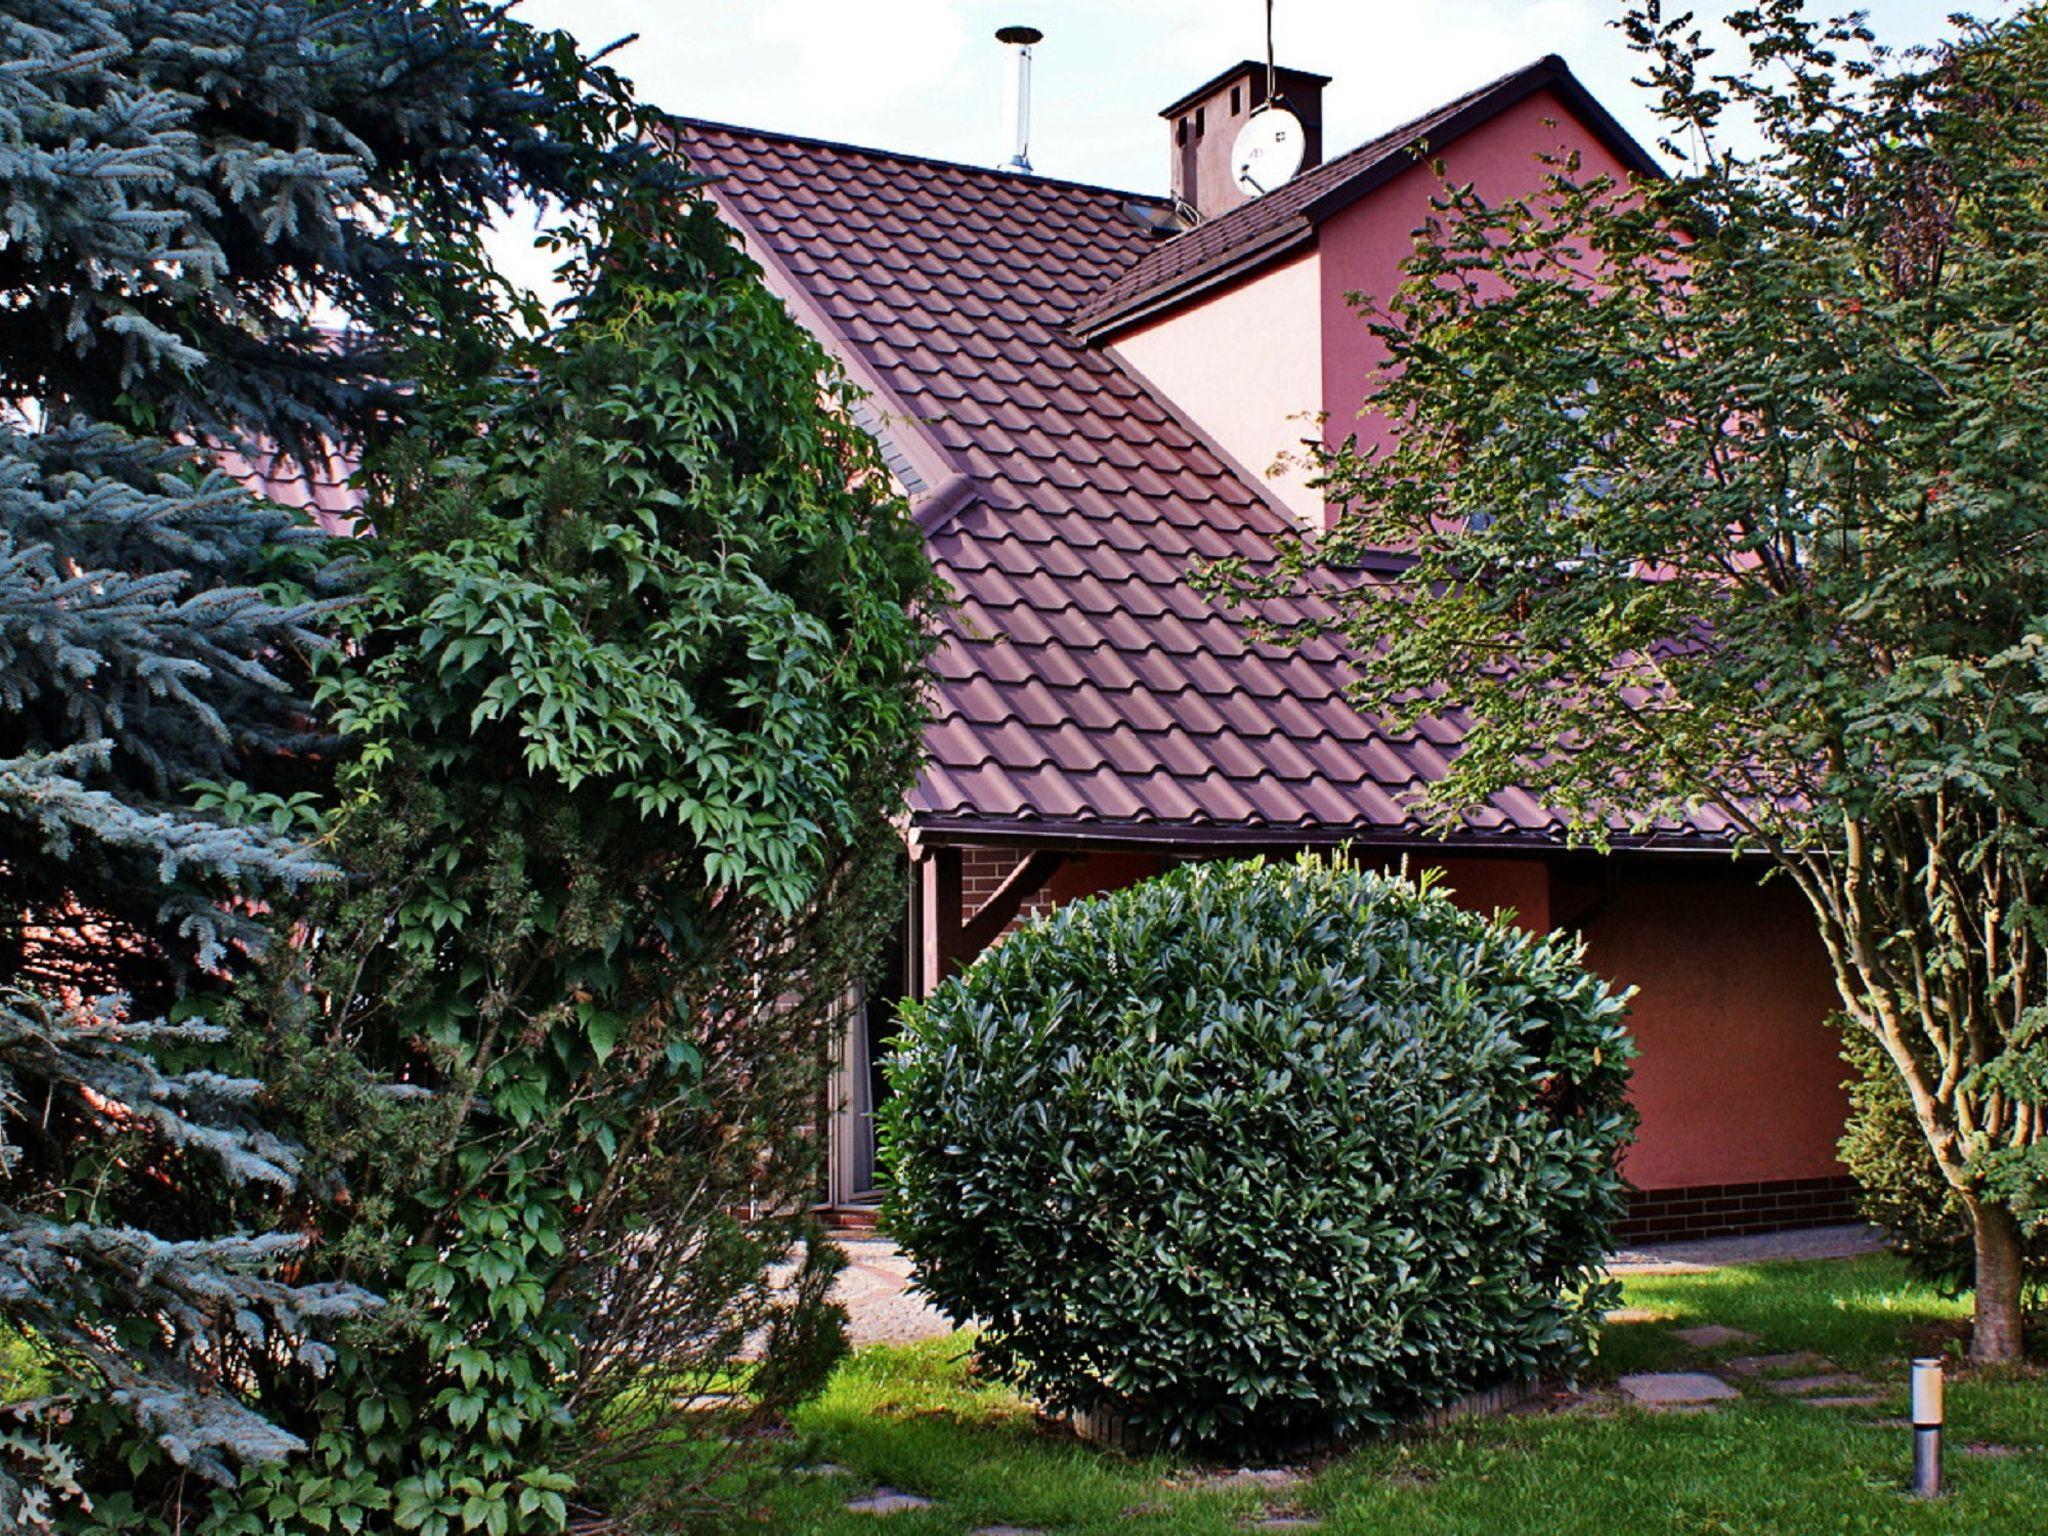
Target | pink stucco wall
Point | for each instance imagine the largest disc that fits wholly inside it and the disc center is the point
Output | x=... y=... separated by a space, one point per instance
x=1256 y=363
x=1247 y=365
x=1518 y=886
x=1739 y=1077
x=1363 y=246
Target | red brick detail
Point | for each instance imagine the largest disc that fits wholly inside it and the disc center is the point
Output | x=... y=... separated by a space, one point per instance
x=982 y=872
x=1728 y=1210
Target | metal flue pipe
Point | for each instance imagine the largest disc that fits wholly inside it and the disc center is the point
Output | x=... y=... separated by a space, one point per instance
x=1017 y=92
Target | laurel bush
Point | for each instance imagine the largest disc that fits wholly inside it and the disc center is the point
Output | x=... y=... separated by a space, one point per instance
x=1251 y=1153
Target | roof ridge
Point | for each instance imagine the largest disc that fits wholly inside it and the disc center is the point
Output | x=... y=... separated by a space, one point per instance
x=845 y=146
x=1234 y=242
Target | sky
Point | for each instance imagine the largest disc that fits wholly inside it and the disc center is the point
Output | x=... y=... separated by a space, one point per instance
x=926 y=76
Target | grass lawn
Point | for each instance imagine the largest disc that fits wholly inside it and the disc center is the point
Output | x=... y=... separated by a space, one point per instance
x=913 y=1419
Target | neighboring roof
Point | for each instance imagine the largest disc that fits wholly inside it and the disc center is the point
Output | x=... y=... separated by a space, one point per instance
x=321 y=490
x=1082 y=687
x=1231 y=245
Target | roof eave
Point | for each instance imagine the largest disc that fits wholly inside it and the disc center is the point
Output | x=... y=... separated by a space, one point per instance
x=931 y=829
x=1238 y=262
x=934 y=463
x=1550 y=74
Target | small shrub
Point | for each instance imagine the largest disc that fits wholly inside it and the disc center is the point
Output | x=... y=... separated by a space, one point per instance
x=1899 y=1185
x=1250 y=1153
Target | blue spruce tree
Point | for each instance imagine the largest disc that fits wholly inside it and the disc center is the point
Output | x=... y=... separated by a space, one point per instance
x=183 y=190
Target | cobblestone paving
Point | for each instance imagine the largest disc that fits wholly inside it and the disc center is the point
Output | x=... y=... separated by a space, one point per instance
x=875 y=1290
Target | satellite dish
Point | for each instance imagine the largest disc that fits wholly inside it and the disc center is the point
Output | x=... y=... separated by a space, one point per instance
x=1267 y=151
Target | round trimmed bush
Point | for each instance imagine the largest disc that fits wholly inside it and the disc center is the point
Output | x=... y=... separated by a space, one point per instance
x=1251 y=1153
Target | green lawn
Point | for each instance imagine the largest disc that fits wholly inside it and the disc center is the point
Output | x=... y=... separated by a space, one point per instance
x=913 y=1419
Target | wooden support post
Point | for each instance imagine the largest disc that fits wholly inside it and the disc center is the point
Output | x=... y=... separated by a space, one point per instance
x=1018 y=887
x=948 y=936
x=940 y=904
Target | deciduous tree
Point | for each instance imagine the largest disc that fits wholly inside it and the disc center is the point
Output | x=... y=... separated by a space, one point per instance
x=1725 y=497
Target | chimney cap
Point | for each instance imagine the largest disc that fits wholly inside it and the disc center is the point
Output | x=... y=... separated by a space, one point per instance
x=1024 y=35
x=1282 y=77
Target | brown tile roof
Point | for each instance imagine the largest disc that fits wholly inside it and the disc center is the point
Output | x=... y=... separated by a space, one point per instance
x=1082 y=686
x=1231 y=244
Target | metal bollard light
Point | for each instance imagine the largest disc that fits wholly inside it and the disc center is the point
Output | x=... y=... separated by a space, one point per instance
x=1927 y=1415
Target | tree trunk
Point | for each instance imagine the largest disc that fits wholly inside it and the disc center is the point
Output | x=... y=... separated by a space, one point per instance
x=1995 y=1335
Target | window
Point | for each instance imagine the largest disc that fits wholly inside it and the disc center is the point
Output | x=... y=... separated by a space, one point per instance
x=1181 y=137
x=1198 y=122
x=1236 y=100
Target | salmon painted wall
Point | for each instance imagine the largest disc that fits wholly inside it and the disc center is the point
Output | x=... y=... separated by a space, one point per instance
x=1518 y=886
x=1247 y=365
x=1739 y=1076
x=1363 y=246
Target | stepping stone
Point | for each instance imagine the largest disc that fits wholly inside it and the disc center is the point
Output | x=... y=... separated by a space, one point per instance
x=1675 y=1389
x=1807 y=1386
x=1264 y=1479
x=886 y=1501
x=1636 y=1315
x=818 y=1469
x=1270 y=1478
x=709 y=1402
x=1758 y=1365
x=1712 y=1336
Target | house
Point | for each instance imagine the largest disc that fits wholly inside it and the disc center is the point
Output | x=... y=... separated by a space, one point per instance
x=1081 y=399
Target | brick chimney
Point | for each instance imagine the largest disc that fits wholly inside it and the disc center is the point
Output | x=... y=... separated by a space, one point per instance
x=1203 y=123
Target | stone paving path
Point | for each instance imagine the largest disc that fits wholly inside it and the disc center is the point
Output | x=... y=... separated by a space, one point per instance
x=875 y=1290
x=883 y=1310
x=1700 y=1255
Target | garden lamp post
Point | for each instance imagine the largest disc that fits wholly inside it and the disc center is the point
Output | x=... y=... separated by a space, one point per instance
x=1927 y=1415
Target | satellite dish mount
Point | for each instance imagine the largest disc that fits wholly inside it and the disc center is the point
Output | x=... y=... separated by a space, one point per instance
x=1269 y=148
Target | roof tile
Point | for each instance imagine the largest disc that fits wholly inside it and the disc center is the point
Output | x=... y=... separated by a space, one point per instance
x=1081 y=681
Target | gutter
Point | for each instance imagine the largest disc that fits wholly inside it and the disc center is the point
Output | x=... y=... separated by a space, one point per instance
x=927 y=831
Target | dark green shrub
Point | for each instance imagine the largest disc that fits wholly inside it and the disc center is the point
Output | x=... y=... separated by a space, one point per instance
x=1900 y=1187
x=1254 y=1152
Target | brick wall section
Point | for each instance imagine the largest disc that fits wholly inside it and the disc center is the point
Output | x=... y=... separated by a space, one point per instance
x=982 y=870
x=1728 y=1210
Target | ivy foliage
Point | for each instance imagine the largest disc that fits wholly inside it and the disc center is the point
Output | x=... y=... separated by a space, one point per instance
x=634 y=695
x=1250 y=1154
x=1720 y=496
